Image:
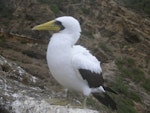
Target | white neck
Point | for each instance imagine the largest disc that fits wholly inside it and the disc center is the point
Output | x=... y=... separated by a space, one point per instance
x=64 y=39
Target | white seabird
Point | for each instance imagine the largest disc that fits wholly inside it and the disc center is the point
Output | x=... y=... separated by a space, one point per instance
x=73 y=66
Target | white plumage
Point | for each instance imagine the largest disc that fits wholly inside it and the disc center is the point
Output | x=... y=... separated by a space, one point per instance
x=64 y=58
x=83 y=59
x=68 y=62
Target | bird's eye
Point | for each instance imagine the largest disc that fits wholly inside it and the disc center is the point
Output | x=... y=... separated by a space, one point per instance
x=60 y=25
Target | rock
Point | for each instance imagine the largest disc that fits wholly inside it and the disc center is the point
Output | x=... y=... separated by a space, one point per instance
x=32 y=105
x=20 y=95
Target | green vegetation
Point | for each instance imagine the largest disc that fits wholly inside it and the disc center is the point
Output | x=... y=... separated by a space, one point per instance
x=128 y=69
x=104 y=47
x=125 y=97
x=125 y=105
x=121 y=87
x=134 y=96
x=138 y=5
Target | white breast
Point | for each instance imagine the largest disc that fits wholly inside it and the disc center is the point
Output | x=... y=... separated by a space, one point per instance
x=59 y=63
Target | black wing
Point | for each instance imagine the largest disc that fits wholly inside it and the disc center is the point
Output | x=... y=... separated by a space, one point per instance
x=106 y=100
x=94 y=79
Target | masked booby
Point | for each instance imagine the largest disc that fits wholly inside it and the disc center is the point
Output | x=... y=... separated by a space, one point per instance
x=73 y=66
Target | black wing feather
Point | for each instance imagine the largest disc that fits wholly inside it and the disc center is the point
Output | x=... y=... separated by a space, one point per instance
x=94 y=79
x=106 y=100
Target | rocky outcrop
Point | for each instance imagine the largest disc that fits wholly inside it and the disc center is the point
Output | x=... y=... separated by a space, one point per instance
x=20 y=94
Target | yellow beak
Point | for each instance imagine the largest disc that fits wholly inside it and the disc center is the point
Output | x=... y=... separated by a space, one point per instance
x=47 y=26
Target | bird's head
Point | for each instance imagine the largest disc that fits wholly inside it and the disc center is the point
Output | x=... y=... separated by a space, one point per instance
x=65 y=24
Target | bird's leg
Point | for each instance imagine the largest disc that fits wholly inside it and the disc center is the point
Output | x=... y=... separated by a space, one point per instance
x=61 y=101
x=66 y=93
x=84 y=102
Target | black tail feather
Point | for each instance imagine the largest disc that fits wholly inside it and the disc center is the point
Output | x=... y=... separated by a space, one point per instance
x=106 y=100
x=109 y=89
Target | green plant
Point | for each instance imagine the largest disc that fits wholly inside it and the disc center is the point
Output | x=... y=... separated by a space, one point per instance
x=128 y=69
x=120 y=86
x=125 y=105
x=125 y=98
